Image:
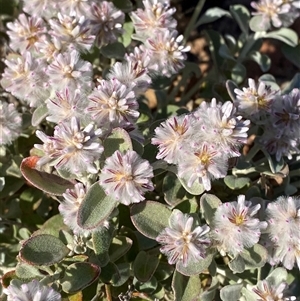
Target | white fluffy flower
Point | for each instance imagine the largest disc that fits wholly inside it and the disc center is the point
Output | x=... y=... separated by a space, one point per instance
x=112 y=104
x=203 y=164
x=32 y=291
x=284 y=225
x=25 y=78
x=71 y=148
x=235 y=227
x=183 y=242
x=69 y=70
x=171 y=137
x=126 y=177
x=10 y=123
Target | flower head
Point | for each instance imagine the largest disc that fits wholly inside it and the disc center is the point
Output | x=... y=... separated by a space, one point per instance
x=25 y=32
x=71 y=148
x=112 y=104
x=126 y=177
x=10 y=123
x=204 y=163
x=34 y=290
x=106 y=22
x=235 y=227
x=40 y=8
x=183 y=242
x=253 y=102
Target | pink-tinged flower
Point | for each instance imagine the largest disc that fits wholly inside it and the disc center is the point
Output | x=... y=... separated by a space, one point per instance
x=279 y=143
x=220 y=124
x=25 y=78
x=204 y=163
x=140 y=56
x=267 y=290
x=10 y=123
x=285 y=115
x=71 y=148
x=68 y=70
x=75 y=7
x=69 y=207
x=66 y=104
x=106 y=22
x=133 y=75
x=235 y=227
x=172 y=136
x=156 y=16
x=25 y=32
x=48 y=48
x=256 y=100
x=73 y=32
x=112 y=104
x=126 y=177
x=40 y=8
x=168 y=53
x=34 y=290
x=284 y=224
x=183 y=242
x=278 y=12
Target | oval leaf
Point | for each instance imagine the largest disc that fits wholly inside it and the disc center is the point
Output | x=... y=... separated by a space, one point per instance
x=195 y=189
x=43 y=249
x=173 y=191
x=46 y=182
x=119 y=139
x=144 y=266
x=209 y=204
x=101 y=243
x=95 y=207
x=235 y=183
x=119 y=247
x=78 y=276
x=39 y=114
x=231 y=292
x=285 y=35
x=150 y=218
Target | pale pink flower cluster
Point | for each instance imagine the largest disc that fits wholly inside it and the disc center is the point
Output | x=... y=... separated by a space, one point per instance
x=235 y=226
x=201 y=143
x=278 y=13
x=284 y=224
x=278 y=116
x=184 y=242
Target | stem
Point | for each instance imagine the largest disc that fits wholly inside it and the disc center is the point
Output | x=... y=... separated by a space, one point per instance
x=229 y=275
x=258 y=274
x=108 y=292
x=193 y=20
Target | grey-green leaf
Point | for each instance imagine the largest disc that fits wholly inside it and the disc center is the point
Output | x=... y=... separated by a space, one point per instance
x=242 y=16
x=144 y=266
x=231 y=292
x=236 y=183
x=39 y=114
x=150 y=218
x=43 y=249
x=209 y=204
x=95 y=207
x=285 y=35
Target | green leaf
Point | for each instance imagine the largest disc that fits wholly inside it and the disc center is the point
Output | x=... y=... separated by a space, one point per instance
x=52 y=226
x=269 y=80
x=128 y=31
x=39 y=114
x=195 y=268
x=144 y=266
x=285 y=35
x=186 y=288
x=294 y=83
x=209 y=294
x=238 y=73
x=195 y=189
x=230 y=86
x=147 y=287
x=163 y=271
x=119 y=247
x=259 y=23
x=46 y=182
x=209 y=204
x=11 y=186
x=119 y=139
x=124 y=5
x=150 y=218
x=242 y=16
x=211 y=15
x=95 y=207
x=113 y=51
x=78 y=276
x=43 y=249
x=235 y=183
x=255 y=256
x=262 y=60
x=28 y=272
x=237 y=264
x=101 y=242
x=292 y=54
x=124 y=272
x=277 y=276
x=173 y=191
x=231 y=292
